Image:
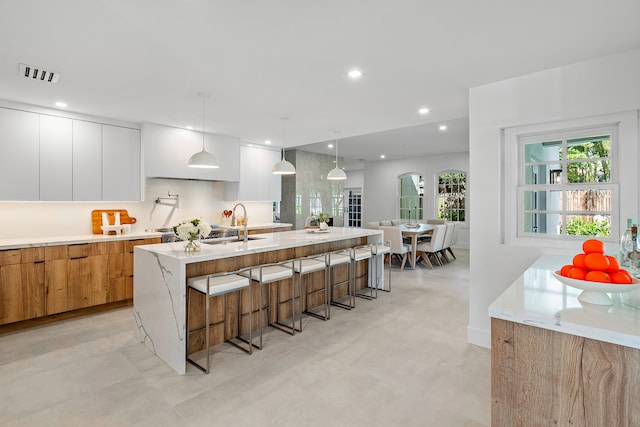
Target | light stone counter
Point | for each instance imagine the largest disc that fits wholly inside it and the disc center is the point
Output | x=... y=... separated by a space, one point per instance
x=30 y=242
x=160 y=282
x=538 y=299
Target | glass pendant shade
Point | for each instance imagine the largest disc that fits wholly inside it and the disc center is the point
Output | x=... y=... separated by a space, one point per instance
x=203 y=159
x=283 y=167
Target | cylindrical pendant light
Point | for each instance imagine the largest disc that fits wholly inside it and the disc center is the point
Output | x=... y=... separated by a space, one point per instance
x=336 y=174
x=203 y=159
x=283 y=167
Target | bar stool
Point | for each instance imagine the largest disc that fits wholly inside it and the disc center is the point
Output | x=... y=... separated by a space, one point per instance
x=304 y=267
x=268 y=273
x=213 y=285
x=379 y=250
x=333 y=260
x=361 y=253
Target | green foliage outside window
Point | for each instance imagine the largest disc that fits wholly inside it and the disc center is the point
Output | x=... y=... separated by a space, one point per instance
x=578 y=226
x=452 y=190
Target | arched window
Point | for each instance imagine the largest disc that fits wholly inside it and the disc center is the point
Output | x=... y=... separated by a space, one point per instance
x=411 y=196
x=452 y=193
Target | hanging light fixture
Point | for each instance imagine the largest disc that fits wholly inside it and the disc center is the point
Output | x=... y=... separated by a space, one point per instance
x=203 y=159
x=336 y=173
x=283 y=167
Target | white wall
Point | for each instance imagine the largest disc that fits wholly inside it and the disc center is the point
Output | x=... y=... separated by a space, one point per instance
x=197 y=198
x=592 y=88
x=381 y=186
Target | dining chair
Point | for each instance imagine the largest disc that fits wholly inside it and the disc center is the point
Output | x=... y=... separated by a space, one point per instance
x=433 y=246
x=372 y=225
x=398 y=247
x=454 y=239
x=435 y=221
x=448 y=237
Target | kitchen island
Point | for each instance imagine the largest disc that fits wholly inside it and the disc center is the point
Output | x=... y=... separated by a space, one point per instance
x=161 y=271
x=557 y=361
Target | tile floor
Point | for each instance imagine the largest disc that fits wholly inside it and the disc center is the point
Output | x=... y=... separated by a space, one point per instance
x=401 y=360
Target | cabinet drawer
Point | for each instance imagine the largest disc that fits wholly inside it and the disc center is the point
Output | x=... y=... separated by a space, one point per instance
x=10 y=256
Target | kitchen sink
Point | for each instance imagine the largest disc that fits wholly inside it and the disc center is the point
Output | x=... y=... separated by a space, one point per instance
x=226 y=240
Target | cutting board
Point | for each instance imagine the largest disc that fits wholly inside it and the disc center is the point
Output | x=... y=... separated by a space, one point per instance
x=96 y=218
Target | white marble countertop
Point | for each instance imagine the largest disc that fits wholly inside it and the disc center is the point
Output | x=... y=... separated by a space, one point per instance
x=538 y=299
x=30 y=242
x=251 y=226
x=256 y=243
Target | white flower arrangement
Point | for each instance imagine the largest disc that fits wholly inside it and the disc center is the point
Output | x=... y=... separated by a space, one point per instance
x=189 y=229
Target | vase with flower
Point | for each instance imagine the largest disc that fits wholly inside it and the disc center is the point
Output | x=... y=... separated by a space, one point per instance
x=190 y=230
x=324 y=221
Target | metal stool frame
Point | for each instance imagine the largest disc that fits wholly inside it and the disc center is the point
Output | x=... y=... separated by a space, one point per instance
x=259 y=277
x=358 y=253
x=300 y=272
x=224 y=293
x=350 y=287
x=381 y=249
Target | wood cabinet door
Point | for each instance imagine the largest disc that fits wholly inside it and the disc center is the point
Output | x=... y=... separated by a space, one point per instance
x=56 y=284
x=88 y=281
x=21 y=292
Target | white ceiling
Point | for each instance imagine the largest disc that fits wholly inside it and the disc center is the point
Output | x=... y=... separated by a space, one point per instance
x=145 y=60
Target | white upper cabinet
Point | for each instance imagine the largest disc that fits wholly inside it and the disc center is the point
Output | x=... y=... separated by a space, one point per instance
x=56 y=158
x=167 y=151
x=121 y=177
x=19 y=155
x=47 y=157
x=87 y=160
x=257 y=183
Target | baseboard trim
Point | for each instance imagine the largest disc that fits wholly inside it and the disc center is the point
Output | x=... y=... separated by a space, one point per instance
x=479 y=337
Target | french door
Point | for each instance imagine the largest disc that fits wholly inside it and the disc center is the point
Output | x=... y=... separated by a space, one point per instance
x=352 y=207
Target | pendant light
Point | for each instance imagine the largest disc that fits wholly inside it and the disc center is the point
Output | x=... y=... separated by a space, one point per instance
x=336 y=174
x=283 y=167
x=203 y=159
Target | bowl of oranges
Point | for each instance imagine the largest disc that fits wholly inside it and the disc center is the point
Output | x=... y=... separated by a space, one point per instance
x=596 y=274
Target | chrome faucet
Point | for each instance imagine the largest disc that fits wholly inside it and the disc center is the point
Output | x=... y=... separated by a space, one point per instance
x=233 y=220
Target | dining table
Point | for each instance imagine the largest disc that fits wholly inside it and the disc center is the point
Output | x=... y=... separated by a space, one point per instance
x=414 y=231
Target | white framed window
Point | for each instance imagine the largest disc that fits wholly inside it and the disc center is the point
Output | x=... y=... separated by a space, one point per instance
x=411 y=196
x=566 y=181
x=452 y=195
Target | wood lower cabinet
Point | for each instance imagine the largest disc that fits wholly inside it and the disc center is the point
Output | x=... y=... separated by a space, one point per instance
x=547 y=378
x=22 y=284
x=77 y=280
x=43 y=281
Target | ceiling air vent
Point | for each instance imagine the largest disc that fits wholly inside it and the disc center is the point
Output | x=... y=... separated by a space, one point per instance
x=39 y=73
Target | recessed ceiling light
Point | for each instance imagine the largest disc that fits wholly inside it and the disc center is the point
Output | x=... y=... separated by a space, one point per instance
x=382 y=156
x=330 y=145
x=355 y=74
x=189 y=127
x=267 y=142
x=443 y=127
x=423 y=110
x=61 y=104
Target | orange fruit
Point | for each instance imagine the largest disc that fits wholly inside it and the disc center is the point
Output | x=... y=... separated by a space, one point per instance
x=613 y=264
x=596 y=261
x=578 y=261
x=598 y=276
x=621 y=277
x=577 y=273
x=564 y=271
x=593 y=246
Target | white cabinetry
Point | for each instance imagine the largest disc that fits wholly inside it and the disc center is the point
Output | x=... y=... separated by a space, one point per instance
x=87 y=160
x=257 y=183
x=167 y=151
x=121 y=178
x=19 y=147
x=56 y=158
x=47 y=157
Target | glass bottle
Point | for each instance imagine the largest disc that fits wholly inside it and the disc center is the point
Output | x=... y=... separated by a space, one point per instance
x=634 y=254
x=626 y=245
